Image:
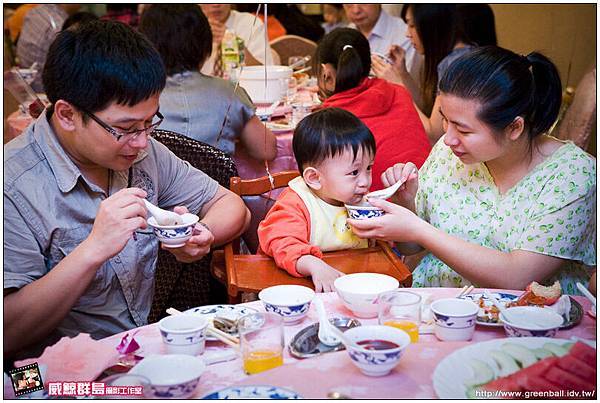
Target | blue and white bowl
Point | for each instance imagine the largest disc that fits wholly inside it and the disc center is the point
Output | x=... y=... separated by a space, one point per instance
x=376 y=362
x=454 y=319
x=532 y=321
x=291 y=302
x=172 y=376
x=174 y=236
x=184 y=333
x=253 y=392
x=363 y=212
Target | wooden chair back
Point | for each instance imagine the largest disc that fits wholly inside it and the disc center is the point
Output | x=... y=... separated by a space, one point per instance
x=252 y=273
x=293 y=45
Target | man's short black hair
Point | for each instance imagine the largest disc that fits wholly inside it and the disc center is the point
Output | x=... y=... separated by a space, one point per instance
x=327 y=133
x=181 y=34
x=102 y=62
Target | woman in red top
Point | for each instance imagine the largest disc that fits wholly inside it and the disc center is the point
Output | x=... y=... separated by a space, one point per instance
x=344 y=62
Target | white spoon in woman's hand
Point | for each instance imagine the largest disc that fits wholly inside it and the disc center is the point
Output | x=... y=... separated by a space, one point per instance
x=163 y=217
x=389 y=191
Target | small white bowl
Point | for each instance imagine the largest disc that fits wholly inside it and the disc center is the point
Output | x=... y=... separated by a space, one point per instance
x=454 y=319
x=174 y=236
x=363 y=212
x=359 y=291
x=172 y=376
x=184 y=333
x=533 y=321
x=291 y=302
x=376 y=362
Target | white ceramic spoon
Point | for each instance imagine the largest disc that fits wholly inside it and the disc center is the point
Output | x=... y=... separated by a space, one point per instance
x=325 y=334
x=387 y=192
x=163 y=217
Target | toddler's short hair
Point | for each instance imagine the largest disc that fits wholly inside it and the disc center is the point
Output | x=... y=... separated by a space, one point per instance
x=327 y=133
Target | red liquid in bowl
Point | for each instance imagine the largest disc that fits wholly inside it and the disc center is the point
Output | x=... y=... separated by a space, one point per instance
x=377 y=344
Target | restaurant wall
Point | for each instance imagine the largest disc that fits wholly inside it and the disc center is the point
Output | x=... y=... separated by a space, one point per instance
x=566 y=33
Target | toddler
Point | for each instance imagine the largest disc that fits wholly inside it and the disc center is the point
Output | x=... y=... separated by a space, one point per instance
x=335 y=152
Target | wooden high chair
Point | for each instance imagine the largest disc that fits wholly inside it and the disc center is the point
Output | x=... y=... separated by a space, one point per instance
x=252 y=273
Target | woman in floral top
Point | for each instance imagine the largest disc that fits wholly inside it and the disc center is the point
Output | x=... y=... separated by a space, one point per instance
x=498 y=203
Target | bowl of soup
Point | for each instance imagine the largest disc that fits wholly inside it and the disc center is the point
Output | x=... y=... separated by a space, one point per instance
x=379 y=348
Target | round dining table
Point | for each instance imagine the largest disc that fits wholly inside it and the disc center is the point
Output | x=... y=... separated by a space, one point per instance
x=83 y=359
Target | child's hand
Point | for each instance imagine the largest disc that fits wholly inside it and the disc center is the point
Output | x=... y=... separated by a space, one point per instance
x=322 y=274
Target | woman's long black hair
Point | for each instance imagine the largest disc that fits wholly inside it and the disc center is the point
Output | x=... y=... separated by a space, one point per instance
x=507 y=85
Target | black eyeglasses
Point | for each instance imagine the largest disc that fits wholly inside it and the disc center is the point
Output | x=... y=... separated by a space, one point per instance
x=123 y=136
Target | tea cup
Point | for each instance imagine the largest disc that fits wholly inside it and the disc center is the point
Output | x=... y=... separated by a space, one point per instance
x=454 y=319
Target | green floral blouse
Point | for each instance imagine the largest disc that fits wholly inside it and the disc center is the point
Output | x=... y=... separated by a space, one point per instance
x=551 y=211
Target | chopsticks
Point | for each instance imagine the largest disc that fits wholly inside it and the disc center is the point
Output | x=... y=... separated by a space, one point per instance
x=213 y=331
x=466 y=290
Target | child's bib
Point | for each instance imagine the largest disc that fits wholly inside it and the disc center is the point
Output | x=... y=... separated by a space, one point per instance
x=328 y=228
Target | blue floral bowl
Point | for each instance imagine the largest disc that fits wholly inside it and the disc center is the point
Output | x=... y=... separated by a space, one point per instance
x=531 y=321
x=376 y=362
x=363 y=212
x=291 y=302
x=172 y=376
x=175 y=236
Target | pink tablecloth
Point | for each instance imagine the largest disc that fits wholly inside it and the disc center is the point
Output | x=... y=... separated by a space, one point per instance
x=312 y=377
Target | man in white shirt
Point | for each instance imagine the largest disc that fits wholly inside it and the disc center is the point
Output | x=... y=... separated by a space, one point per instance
x=382 y=31
x=252 y=30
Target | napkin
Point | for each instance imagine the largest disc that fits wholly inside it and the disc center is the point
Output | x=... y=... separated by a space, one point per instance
x=562 y=307
x=75 y=359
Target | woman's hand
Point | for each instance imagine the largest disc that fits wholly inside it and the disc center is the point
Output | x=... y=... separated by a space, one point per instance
x=407 y=173
x=394 y=72
x=398 y=224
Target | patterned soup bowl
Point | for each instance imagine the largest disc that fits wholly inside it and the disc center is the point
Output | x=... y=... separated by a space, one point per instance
x=291 y=302
x=379 y=348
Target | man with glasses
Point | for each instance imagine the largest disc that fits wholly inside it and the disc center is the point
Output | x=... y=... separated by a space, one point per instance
x=78 y=254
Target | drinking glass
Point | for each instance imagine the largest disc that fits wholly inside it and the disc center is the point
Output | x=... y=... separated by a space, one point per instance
x=29 y=103
x=296 y=59
x=402 y=310
x=261 y=341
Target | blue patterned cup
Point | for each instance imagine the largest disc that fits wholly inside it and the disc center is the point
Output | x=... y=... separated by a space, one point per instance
x=291 y=302
x=184 y=333
x=454 y=319
x=380 y=348
x=533 y=321
x=172 y=376
x=175 y=236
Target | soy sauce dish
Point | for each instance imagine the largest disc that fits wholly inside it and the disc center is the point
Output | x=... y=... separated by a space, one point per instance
x=379 y=348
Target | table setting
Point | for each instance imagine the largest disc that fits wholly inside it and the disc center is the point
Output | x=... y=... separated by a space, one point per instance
x=391 y=343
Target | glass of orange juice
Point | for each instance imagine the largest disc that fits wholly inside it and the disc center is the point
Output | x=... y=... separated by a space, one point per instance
x=261 y=341
x=401 y=309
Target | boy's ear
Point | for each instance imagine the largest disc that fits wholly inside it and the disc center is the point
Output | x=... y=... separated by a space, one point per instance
x=312 y=178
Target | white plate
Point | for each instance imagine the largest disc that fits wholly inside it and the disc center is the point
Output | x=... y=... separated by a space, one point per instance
x=452 y=372
x=225 y=311
x=500 y=296
x=279 y=127
x=253 y=392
